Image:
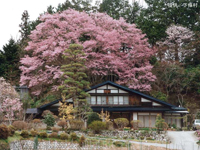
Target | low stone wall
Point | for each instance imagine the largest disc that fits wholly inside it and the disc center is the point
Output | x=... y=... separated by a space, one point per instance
x=129 y=135
x=47 y=145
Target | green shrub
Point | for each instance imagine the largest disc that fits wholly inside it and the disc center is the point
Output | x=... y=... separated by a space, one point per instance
x=76 y=124
x=93 y=117
x=20 y=125
x=62 y=124
x=24 y=134
x=97 y=126
x=49 y=120
x=4 y=132
x=160 y=123
x=73 y=136
x=121 y=122
x=64 y=136
x=11 y=130
x=34 y=133
x=119 y=144
x=43 y=135
x=53 y=135
x=174 y=126
x=81 y=141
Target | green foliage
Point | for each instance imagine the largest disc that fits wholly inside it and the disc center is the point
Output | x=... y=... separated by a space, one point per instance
x=74 y=77
x=64 y=136
x=4 y=132
x=160 y=123
x=49 y=120
x=45 y=100
x=24 y=134
x=121 y=122
x=97 y=126
x=155 y=19
x=53 y=135
x=159 y=95
x=120 y=8
x=9 y=62
x=81 y=141
x=43 y=135
x=73 y=136
x=93 y=117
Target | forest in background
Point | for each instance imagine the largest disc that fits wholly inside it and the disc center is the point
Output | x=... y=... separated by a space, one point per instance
x=172 y=29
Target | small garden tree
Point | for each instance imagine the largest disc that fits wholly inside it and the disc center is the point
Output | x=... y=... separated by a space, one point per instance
x=160 y=123
x=105 y=117
x=121 y=122
x=49 y=120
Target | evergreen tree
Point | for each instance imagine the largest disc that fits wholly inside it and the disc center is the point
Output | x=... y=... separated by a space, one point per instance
x=120 y=8
x=9 y=62
x=159 y=14
x=75 y=79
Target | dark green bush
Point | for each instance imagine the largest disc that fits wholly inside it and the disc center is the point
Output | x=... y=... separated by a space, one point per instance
x=24 y=134
x=93 y=117
x=43 y=135
x=4 y=132
x=53 y=135
x=49 y=120
x=73 y=136
x=97 y=126
x=64 y=136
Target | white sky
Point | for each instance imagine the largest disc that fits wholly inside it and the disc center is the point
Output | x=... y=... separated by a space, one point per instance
x=11 y=12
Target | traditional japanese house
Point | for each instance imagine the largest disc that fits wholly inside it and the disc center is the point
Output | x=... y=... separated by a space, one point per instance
x=121 y=101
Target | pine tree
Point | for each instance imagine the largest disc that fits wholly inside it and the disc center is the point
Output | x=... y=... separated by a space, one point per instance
x=75 y=79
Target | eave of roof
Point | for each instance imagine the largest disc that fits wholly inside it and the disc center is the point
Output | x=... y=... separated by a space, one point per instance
x=132 y=91
x=127 y=109
x=49 y=104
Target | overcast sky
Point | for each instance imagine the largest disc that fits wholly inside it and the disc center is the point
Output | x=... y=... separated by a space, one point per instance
x=11 y=12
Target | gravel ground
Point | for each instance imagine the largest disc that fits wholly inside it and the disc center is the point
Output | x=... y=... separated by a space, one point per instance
x=185 y=140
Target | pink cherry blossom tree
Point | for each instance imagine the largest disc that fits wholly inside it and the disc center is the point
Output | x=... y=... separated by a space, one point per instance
x=112 y=47
x=173 y=48
x=10 y=104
